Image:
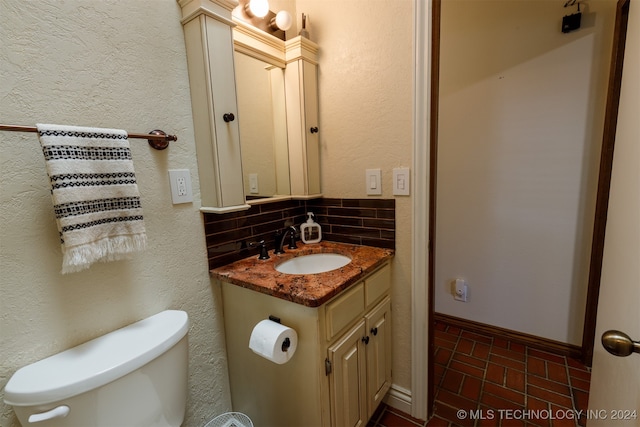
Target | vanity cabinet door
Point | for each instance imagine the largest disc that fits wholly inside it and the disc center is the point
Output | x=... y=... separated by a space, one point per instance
x=347 y=385
x=378 y=350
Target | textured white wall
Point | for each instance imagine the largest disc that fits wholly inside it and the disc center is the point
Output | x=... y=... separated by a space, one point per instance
x=118 y=64
x=365 y=85
x=520 y=129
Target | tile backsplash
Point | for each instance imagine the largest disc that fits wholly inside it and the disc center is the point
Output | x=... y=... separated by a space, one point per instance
x=368 y=222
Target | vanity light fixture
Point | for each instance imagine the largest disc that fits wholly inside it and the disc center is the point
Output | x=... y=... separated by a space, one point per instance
x=282 y=21
x=257 y=13
x=257 y=8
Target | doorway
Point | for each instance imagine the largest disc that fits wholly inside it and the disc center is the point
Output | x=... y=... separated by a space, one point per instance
x=597 y=236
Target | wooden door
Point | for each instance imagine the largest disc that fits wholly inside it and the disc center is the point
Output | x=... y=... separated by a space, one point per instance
x=615 y=382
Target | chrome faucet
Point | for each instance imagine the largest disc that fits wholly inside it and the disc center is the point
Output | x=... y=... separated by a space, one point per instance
x=281 y=236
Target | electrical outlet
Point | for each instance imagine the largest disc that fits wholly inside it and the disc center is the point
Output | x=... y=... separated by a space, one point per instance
x=460 y=290
x=180 y=182
x=182 y=186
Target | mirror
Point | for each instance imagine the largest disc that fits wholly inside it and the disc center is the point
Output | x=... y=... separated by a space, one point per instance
x=276 y=85
x=263 y=127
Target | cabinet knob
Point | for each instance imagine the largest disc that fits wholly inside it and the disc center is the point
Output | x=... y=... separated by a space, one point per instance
x=228 y=117
x=365 y=340
x=374 y=331
x=314 y=129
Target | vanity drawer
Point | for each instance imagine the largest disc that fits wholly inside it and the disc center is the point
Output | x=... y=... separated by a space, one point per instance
x=377 y=285
x=346 y=308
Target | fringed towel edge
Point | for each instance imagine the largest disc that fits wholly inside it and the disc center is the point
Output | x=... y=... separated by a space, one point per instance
x=112 y=248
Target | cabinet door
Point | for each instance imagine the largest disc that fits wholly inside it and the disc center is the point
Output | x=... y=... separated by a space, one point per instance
x=378 y=329
x=223 y=92
x=347 y=386
x=301 y=80
x=223 y=89
x=310 y=73
x=213 y=94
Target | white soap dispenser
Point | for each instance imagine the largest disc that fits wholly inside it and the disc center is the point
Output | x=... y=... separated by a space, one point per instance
x=310 y=231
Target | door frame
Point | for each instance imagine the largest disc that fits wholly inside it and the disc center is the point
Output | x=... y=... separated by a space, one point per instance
x=421 y=273
x=604 y=178
x=425 y=151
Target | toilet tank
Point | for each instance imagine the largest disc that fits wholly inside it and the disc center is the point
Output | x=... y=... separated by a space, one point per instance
x=135 y=376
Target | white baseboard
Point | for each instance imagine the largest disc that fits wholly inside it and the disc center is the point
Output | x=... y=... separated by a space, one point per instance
x=399 y=398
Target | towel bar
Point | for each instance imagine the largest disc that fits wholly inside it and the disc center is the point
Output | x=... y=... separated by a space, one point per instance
x=156 y=138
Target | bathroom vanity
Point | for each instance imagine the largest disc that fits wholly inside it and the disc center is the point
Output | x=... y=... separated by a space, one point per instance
x=341 y=369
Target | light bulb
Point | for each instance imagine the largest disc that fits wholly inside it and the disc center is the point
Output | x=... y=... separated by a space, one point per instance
x=284 y=20
x=259 y=8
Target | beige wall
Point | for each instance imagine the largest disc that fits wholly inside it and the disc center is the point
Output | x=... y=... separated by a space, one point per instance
x=365 y=85
x=115 y=64
x=520 y=129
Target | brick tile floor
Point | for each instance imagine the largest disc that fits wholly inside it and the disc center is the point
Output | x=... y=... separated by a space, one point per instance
x=489 y=381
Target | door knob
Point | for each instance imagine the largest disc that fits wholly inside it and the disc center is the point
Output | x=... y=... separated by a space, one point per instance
x=619 y=344
x=228 y=117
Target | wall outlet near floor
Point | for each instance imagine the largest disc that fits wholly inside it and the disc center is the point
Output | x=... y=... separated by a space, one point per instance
x=460 y=290
x=180 y=182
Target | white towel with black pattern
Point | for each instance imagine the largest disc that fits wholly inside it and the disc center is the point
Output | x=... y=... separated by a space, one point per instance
x=95 y=194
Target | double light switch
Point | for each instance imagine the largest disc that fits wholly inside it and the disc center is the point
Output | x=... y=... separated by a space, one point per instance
x=400 y=184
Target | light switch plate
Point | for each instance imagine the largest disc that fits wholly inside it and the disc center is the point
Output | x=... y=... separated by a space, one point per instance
x=253 y=183
x=373 y=182
x=180 y=182
x=401 y=182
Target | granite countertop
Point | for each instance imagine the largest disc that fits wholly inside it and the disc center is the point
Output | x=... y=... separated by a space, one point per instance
x=311 y=290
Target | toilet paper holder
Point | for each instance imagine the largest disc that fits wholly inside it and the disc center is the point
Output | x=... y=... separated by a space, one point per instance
x=287 y=342
x=274 y=318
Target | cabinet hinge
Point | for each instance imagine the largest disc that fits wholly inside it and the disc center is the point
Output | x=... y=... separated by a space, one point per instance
x=327 y=366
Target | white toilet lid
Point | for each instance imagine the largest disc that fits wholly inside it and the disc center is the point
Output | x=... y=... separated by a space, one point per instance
x=96 y=362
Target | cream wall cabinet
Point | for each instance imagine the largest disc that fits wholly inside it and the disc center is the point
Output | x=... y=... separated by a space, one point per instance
x=301 y=91
x=209 y=39
x=341 y=369
x=207 y=28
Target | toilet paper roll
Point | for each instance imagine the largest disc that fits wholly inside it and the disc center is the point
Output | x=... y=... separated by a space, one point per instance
x=273 y=341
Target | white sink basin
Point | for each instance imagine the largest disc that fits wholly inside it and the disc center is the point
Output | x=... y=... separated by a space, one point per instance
x=313 y=264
